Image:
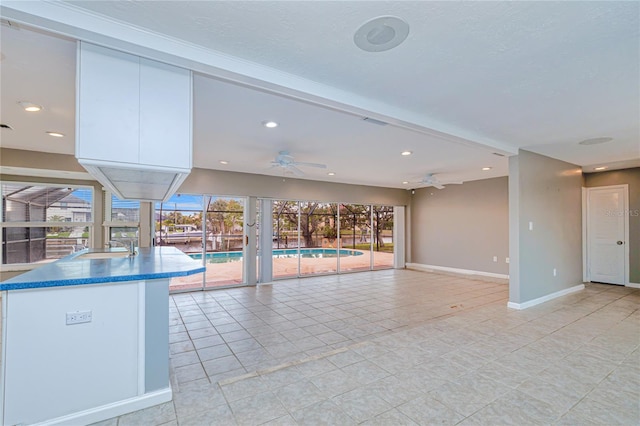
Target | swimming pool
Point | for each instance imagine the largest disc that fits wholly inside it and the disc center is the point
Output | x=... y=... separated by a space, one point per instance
x=314 y=253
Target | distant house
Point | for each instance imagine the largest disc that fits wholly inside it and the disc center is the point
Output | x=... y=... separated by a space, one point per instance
x=69 y=209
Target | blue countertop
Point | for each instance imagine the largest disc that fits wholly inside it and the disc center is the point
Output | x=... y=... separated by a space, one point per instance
x=149 y=264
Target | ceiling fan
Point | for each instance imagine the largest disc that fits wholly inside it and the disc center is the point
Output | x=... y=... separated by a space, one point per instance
x=432 y=180
x=288 y=163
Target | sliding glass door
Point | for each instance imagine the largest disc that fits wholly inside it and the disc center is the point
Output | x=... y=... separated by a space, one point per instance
x=216 y=241
x=313 y=238
x=319 y=237
x=224 y=241
x=355 y=237
x=178 y=223
x=383 y=237
x=285 y=239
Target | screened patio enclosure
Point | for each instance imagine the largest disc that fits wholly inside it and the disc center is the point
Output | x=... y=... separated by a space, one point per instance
x=42 y=222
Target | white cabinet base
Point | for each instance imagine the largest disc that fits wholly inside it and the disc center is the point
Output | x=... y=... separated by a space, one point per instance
x=84 y=353
x=109 y=411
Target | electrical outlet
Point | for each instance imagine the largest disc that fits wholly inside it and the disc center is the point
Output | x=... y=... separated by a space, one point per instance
x=530 y=226
x=495 y=258
x=506 y=260
x=555 y=272
x=78 y=317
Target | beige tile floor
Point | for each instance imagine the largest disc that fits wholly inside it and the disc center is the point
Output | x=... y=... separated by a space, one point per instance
x=400 y=348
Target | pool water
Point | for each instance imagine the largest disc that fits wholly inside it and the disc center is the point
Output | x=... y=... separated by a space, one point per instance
x=313 y=253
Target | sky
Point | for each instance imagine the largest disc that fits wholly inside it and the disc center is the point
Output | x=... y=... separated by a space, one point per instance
x=185 y=203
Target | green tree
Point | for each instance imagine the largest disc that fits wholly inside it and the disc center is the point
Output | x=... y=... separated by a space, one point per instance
x=314 y=217
x=215 y=216
x=383 y=216
x=354 y=218
x=56 y=218
x=234 y=214
x=173 y=218
x=223 y=215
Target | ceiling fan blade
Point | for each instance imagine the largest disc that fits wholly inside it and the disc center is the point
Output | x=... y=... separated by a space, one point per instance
x=318 y=165
x=296 y=171
x=453 y=183
x=437 y=185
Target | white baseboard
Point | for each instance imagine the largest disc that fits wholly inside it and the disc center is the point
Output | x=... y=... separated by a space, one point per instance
x=633 y=285
x=458 y=272
x=546 y=298
x=115 y=409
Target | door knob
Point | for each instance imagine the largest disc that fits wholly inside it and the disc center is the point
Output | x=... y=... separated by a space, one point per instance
x=620 y=243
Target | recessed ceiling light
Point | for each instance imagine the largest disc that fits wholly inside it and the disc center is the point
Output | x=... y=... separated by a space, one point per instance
x=405 y=153
x=600 y=168
x=331 y=174
x=269 y=124
x=224 y=162
x=406 y=182
x=30 y=107
x=595 y=141
x=381 y=33
x=56 y=134
x=486 y=168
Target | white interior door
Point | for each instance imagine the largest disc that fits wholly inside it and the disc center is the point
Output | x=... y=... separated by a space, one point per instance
x=606 y=234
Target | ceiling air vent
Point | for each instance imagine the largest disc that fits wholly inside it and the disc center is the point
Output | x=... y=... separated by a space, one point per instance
x=374 y=121
x=5 y=126
x=498 y=154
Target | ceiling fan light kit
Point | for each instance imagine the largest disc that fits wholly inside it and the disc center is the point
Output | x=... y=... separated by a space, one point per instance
x=287 y=162
x=431 y=179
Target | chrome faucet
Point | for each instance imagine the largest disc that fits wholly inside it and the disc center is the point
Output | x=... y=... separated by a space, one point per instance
x=131 y=249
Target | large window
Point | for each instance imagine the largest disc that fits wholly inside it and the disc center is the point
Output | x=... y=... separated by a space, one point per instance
x=42 y=222
x=122 y=220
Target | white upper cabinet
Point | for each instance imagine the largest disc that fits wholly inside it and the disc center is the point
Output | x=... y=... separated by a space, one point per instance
x=165 y=114
x=108 y=105
x=133 y=119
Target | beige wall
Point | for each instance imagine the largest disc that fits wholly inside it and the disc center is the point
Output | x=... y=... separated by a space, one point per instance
x=547 y=193
x=217 y=182
x=462 y=226
x=39 y=160
x=632 y=178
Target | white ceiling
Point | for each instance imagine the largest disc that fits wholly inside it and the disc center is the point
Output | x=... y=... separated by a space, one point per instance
x=472 y=78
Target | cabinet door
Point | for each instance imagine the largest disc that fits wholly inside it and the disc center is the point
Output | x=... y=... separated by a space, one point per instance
x=165 y=115
x=107 y=104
